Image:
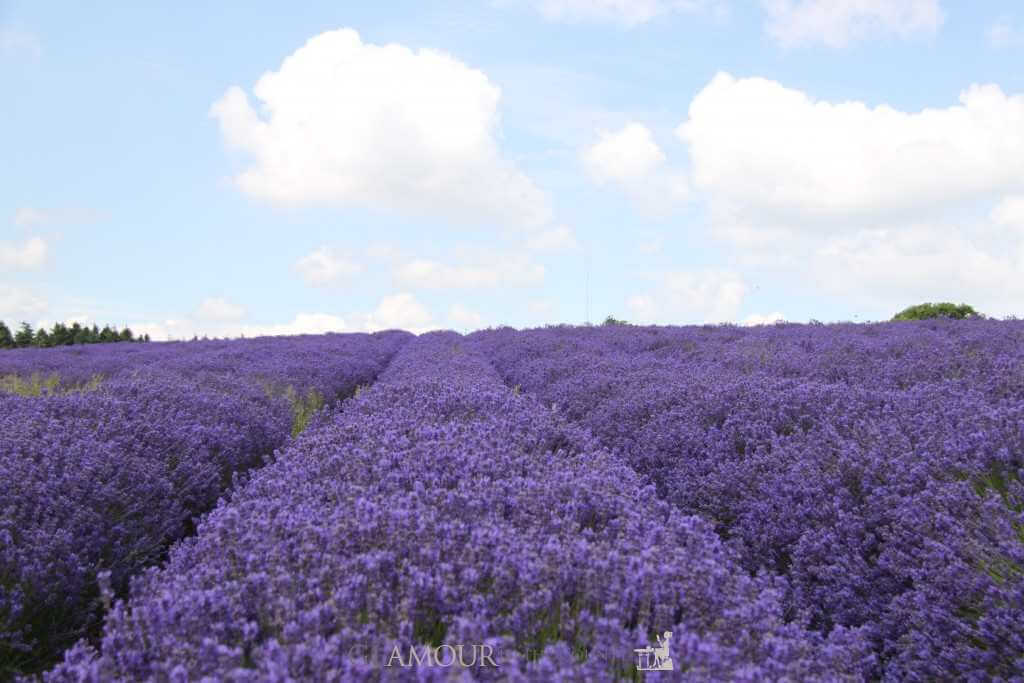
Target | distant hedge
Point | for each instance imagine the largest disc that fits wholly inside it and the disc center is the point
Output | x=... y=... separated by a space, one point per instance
x=64 y=335
x=937 y=310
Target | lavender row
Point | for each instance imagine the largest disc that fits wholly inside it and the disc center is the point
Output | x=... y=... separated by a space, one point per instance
x=878 y=470
x=306 y=361
x=99 y=483
x=440 y=508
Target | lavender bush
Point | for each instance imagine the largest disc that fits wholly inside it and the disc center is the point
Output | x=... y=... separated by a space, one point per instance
x=97 y=484
x=878 y=469
x=792 y=502
x=440 y=507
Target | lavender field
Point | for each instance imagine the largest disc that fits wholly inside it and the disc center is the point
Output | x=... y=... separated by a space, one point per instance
x=789 y=502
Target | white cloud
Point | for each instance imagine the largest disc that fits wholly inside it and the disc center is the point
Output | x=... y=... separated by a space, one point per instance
x=186 y=328
x=763 y=153
x=399 y=311
x=464 y=319
x=28 y=217
x=684 y=297
x=31 y=254
x=327 y=265
x=558 y=238
x=18 y=42
x=631 y=159
x=868 y=203
x=1003 y=34
x=503 y=271
x=627 y=155
x=1009 y=212
x=219 y=308
x=628 y=13
x=345 y=122
x=927 y=262
x=20 y=301
x=762 y=319
x=837 y=23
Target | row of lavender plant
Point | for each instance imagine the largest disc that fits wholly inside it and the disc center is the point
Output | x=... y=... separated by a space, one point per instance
x=877 y=469
x=439 y=507
x=101 y=482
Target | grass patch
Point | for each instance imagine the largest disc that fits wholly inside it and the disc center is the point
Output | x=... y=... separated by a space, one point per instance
x=37 y=384
x=304 y=407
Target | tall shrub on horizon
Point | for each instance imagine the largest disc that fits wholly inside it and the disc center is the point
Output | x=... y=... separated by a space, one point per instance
x=937 y=310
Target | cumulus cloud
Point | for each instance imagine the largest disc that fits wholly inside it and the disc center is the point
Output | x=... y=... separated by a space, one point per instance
x=762 y=319
x=30 y=254
x=463 y=318
x=219 y=308
x=868 y=203
x=17 y=301
x=327 y=265
x=627 y=13
x=762 y=152
x=399 y=311
x=976 y=261
x=623 y=156
x=186 y=327
x=346 y=122
x=690 y=296
x=631 y=159
x=29 y=217
x=496 y=271
x=837 y=23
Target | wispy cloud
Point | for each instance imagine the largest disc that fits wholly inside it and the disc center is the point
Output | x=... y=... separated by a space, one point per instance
x=30 y=254
x=17 y=42
x=1002 y=33
x=31 y=217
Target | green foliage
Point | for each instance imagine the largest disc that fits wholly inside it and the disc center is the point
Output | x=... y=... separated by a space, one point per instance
x=937 y=310
x=25 y=336
x=610 y=320
x=62 y=335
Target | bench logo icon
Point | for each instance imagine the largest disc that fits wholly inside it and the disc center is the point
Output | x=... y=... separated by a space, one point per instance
x=655 y=658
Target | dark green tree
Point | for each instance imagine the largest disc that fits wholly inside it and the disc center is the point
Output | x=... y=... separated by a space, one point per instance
x=126 y=334
x=77 y=333
x=610 y=320
x=25 y=336
x=60 y=335
x=937 y=310
x=42 y=338
x=6 y=338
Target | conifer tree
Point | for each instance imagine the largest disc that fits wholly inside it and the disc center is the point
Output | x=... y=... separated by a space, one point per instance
x=25 y=336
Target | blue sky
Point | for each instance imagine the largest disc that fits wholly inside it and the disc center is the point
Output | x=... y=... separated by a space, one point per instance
x=251 y=168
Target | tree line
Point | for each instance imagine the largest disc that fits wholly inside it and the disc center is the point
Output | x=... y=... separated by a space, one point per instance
x=64 y=335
